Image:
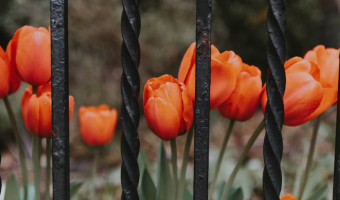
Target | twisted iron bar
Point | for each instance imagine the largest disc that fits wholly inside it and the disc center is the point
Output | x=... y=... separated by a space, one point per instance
x=130 y=86
x=274 y=114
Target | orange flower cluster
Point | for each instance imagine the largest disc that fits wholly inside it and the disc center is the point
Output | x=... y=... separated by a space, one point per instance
x=311 y=85
x=28 y=58
x=236 y=90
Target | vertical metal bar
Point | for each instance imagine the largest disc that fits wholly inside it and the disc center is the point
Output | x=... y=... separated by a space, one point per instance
x=336 y=185
x=202 y=99
x=130 y=86
x=60 y=93
x=274 y=114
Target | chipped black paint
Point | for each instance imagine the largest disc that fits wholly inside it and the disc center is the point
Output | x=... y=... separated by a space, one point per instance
x=274 y=114
x=130 y=86
x=60 y=93
x=336 y=185
x=202 y=99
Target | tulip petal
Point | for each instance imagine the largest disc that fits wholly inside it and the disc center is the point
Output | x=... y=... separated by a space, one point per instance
x=188 y=111
x=90 y=128
x=45 y=115
x=33 y=58
x=189 y=60
x=4 y=74
x=232 y=58
x=162 y=118
x=70 y=108
x=328 y=62
x=24 y=103
x=328 y=99
x=223 y=82
x=242 y=103
x=172 y=93
x=32 y=118
x=252 y=70
x=109 y=121
x=302 y=97
x=291 y=62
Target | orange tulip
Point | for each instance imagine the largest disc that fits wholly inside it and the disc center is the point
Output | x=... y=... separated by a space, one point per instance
x=288 y=197
x=4 y=74
x=225 y=68
x=307 y=93
x=242 y=103
x=328 y=62
x=167 y=107
x=29 y=52
x=97 y=124
x=9 y=80
x=36 y=110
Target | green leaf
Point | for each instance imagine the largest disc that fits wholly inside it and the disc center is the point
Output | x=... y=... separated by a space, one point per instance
x=31 y=192
x=148 y=189
x=315 y=177
x=74 y=187
x=235 y=194
x=12 y=188
x=164 y=182
x=220 y=190
x=143 y=161
x=187 y=195
x=319 y=194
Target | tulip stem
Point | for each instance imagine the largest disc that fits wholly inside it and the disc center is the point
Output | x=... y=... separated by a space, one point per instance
x=48 y=168
x=241 y=159
x=36 y=151
x=94 y=172
x=297 y=182
x=310 y=156
x=185 y=163
x=220 y=157
x=17 y=137
x=174 y=162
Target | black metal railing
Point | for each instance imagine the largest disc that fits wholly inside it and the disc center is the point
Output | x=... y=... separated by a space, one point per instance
x=202 y=99
x=274 y=114
x=60 y=100
x=130 y=86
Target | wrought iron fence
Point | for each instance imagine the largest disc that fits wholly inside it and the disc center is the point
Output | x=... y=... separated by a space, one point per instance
x=130 y=87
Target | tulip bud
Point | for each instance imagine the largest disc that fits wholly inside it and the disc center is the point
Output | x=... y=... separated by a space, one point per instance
x=167 y=107
x=242 y=103
x=288 y=197
x=29 y=52
x=97 y=124
x=36 y=110
x=307 y=94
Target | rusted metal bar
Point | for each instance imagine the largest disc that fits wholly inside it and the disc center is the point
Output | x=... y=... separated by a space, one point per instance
x=60 y=100
x=274 y=114
x=130 y=87
x=202 y=99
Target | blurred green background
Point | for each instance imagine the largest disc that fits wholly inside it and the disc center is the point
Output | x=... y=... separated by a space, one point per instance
x=168 y=28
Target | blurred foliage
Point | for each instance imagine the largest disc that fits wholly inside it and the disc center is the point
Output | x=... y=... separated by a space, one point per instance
x=168 y=28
